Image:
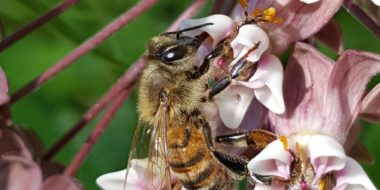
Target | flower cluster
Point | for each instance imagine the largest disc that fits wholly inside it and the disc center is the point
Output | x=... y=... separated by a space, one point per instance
x=313 y=107
x=21 y=152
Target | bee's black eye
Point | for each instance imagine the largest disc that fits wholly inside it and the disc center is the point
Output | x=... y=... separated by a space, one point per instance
x=174 y=53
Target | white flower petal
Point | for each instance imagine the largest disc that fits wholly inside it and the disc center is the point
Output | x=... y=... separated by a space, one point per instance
x=377 y=2
x=222 y=27
x=135 y=179
x=232 y=103
x=329 y=158
x=262 y=187
x=274 y=186
x=353 y=177
x=114 y=180
x=267 y=83
x=248 y=36
x=309 y=1
x=274 y=160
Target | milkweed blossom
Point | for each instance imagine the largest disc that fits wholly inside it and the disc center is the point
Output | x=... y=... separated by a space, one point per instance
x=323 y=103
x=287 y=22
x=376 y=2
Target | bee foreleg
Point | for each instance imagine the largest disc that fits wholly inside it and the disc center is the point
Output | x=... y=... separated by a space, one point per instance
x=220 y=85
x=241 y=66
x=203 y=68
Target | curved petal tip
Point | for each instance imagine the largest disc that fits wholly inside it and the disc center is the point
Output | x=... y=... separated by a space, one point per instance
x=274 y=160
x=222 y=26
x=353 y=177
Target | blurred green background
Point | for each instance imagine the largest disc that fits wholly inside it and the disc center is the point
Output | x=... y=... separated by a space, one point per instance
x=56 y=106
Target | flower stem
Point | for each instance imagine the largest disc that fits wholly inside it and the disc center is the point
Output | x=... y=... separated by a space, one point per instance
x=190 y=12
x=96 y=133
x=84 y=48
x=362 y=17
x=123 y=82
x=57 y=10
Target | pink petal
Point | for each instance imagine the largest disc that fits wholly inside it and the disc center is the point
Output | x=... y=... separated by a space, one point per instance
x=274 y=160
x=301 y=20
x=353 y=135
x=233 y=103
x=11 y=143
x=136 y=179
x=247 y=37
x=269 y=187
x=326 y=154
x=254 y=116
x=267 y=83
x=353 y=177
x=309 y=1
x=346 y=88
x=4 y=97
x=61 y=182
x=114 y=180
x=305 y=82
x=371 y=105
x=222 y=27
x=360 y=153
x=19 y=173
x=331 y=35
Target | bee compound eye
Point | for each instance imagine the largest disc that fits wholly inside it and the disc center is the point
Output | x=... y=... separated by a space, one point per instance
x=174 y=53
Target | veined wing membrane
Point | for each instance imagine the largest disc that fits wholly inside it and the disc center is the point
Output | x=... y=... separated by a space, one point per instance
x=147 y=165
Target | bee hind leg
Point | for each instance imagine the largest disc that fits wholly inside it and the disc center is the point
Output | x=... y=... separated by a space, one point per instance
x=235 y=164
x=257 y=139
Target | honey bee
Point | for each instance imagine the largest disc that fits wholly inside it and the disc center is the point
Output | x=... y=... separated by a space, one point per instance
x=179 y=136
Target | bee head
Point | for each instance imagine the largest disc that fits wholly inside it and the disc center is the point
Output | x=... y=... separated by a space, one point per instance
x=170 y=50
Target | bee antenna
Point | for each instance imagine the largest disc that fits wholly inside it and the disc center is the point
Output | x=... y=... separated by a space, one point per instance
x=179 y=32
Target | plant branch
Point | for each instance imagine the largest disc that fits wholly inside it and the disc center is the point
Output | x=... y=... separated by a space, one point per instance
x=84 y=48
x=362 y=17
x=123 y=82
x=43 y=19
x=96 y=133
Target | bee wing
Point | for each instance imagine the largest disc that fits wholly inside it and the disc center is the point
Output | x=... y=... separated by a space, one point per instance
x=158 y=154
x=147 y=159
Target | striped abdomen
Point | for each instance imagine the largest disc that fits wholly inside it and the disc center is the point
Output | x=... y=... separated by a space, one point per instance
x=192 y=162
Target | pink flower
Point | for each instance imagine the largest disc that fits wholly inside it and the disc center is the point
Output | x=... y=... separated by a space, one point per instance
x=376 y=2
x=19 y=148
x=323 y=101
x=300 y=21
x=4 y=97
x=136 y=178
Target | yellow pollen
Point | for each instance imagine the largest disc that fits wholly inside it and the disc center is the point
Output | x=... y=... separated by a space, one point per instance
x=322 y=184
x=284 y=141
x=270 y=12
x=269 y=15
x=298 y=150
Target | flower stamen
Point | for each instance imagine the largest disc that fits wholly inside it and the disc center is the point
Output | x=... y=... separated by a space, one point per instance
x=322 y=184
x=284 y=141
x=268 y=15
